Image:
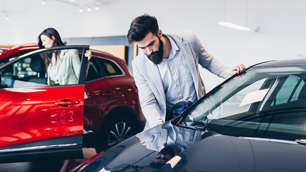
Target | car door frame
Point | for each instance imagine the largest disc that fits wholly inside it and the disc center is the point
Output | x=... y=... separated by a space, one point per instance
x=66 y=147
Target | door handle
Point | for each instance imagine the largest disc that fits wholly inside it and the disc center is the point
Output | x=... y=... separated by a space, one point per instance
x=67 y=102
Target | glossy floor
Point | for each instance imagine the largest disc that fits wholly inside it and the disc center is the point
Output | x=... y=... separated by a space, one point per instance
x=38 y=166
x=44 y=166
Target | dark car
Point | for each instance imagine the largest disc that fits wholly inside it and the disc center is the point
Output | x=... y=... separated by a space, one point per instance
x=40 y=121
x=255 y=121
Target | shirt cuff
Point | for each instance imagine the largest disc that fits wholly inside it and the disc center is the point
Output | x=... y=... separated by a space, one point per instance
x=159 y=122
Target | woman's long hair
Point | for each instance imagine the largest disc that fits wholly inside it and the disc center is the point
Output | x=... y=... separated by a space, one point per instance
x=50 y=33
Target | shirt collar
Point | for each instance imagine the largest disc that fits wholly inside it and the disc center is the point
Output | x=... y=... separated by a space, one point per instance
x=62 y=54
x=174 y=47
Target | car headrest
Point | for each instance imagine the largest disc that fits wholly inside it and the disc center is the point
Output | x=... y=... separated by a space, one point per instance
x=37 y=64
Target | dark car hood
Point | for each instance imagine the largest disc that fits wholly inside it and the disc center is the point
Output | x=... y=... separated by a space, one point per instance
x=214 y=152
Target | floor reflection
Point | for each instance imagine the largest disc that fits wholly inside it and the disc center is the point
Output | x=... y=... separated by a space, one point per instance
x=37 y=166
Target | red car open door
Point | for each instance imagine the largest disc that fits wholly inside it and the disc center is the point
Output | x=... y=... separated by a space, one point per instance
x=38 y=117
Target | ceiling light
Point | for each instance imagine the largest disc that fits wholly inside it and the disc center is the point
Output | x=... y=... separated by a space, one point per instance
x=80 y=10
x=88 y=9
x=43 y=2
x=240 y=26
x=234 y=26
x=97 y=7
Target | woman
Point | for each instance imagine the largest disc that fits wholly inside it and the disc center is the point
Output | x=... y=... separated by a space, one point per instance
x=62 y=66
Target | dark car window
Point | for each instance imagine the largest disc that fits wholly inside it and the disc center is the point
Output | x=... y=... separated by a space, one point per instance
x=260 y=103
x=289 y=91
x=100 y=67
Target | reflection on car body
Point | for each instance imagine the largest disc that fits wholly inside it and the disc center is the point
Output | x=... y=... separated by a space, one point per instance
x=252 y=122
x=5 y=47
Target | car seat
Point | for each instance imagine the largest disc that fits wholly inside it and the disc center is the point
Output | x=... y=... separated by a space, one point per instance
x=38 y=65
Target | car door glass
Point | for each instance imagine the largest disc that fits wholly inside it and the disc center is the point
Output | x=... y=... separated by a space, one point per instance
x=23 y=73
x=100 y=68
x=32 y=71
x=93 y=70
x=111 y=68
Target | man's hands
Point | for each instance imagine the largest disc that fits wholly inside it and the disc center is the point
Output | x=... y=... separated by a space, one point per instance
x=237 y=69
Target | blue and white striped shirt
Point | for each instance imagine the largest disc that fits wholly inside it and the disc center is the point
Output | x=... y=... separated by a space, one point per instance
x=176 y=77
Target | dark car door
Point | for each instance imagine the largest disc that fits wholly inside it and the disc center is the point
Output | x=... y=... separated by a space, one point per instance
x=38 y=118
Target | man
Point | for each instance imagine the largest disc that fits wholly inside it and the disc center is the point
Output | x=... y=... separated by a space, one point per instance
x=167 y=71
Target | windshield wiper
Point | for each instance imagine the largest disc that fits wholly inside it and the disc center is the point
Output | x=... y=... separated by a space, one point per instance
x=196 y=125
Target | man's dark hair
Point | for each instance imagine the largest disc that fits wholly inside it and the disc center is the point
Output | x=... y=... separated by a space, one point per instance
x=141 y=26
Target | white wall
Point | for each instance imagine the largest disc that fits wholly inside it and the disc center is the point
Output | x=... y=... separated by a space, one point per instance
x=281 y=35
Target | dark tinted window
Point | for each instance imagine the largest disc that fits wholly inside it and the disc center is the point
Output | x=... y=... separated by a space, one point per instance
x=290 y=90
x=99 y=68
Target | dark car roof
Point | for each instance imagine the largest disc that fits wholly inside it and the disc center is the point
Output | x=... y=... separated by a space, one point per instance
x=278 y=63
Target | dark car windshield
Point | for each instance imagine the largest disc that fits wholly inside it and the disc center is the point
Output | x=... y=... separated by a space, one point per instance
x=263 y=102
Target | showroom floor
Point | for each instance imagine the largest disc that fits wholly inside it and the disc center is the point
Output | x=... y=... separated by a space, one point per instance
x=43 y=166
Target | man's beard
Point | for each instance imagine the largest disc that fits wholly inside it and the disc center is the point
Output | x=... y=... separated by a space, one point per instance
x=157 y=56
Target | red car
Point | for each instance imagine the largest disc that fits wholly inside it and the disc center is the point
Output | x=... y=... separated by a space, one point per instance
x=11 y=52
x=42 y=121
x=5 y=47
